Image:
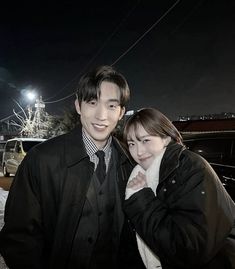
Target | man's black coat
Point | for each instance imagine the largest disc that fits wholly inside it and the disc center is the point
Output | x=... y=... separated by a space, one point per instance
x=46 y=200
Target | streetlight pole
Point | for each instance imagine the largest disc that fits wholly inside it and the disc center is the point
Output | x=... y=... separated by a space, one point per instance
x=39 y=105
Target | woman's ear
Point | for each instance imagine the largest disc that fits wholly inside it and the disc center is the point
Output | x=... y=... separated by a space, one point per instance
x=167 y=140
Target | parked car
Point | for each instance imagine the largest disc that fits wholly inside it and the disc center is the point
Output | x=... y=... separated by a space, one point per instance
x=218 y=148
x=2 y=145
x=14 y=152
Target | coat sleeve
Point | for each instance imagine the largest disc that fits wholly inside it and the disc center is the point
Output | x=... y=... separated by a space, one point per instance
x=188 y=221
x=21 y=239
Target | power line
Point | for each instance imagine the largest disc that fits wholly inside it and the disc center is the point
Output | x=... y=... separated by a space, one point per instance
x=95 y=55
x=59 y=100
x=131 y=47
x=12 y=115
x=102 y=47
x=7 y=118
x=141 y=37
x=87 y=65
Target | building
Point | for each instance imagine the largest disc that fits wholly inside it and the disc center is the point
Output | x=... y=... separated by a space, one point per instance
x=210 y=125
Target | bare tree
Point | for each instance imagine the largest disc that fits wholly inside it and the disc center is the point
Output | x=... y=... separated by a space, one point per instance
x=33 y=123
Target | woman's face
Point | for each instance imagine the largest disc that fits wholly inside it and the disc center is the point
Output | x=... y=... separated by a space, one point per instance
x=144 y=148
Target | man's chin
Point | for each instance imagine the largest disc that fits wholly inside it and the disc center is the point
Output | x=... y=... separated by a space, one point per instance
x=101 y=140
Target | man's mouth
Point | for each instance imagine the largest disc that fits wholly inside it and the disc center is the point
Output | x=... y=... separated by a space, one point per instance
x=99 y=126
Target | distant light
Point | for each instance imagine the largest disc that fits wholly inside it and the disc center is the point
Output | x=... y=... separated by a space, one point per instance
x=130 y=112
x=31 y=95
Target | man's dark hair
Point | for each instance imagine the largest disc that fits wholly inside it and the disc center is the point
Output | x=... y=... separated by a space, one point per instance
x=89 y=84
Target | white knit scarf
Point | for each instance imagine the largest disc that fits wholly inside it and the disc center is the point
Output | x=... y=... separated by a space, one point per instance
x=150 y=260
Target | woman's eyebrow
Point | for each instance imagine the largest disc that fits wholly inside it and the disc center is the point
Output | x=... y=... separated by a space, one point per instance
x=139 y=138
x=143 y=136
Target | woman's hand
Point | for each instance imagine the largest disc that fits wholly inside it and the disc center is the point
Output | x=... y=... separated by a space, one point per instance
x=138 y=182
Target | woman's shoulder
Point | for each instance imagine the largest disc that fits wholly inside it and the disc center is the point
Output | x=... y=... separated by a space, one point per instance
x=191 y=163
x=190 y=156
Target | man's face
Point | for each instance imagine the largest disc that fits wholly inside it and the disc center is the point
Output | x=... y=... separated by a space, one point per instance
x=100 y=117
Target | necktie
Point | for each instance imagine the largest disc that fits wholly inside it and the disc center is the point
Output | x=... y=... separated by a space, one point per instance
x=101 y=167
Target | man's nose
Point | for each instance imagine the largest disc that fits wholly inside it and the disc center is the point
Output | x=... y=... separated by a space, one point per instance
x=101 y=112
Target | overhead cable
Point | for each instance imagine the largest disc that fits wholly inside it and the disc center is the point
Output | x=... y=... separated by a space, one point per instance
x=94 y=57
x=131 y=47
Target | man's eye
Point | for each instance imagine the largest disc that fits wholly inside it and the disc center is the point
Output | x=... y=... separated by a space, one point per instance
x=92 y=102
x=113 y=106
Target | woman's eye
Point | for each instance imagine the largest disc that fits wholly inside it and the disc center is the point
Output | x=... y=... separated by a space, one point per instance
x=145 y=141
x=130 y=145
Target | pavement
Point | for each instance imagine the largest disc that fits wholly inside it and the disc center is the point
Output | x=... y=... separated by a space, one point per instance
x=3 y=197
x=2 y=263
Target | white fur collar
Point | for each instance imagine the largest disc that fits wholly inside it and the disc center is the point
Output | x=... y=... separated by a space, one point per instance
x=150 y=260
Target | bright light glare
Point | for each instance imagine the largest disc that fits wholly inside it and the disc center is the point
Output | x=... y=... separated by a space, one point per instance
x=31 y=95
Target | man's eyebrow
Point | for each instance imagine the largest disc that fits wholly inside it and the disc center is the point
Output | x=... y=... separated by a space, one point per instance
x=114 y=100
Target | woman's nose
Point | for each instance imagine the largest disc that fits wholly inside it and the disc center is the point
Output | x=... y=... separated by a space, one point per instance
x=140 y=150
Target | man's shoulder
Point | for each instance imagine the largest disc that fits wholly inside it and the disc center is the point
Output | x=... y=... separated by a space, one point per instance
x=59 y=143
x=51 y=143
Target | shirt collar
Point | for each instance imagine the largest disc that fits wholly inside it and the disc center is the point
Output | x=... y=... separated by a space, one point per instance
x=90 y=146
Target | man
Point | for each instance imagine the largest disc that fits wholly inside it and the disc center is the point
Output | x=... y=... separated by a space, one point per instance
x=61 y=212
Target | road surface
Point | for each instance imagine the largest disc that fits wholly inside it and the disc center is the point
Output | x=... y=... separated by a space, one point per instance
x=5 y=184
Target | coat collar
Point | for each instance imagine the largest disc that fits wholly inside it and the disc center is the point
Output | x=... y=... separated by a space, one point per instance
x=75 y=150
x=170 y=160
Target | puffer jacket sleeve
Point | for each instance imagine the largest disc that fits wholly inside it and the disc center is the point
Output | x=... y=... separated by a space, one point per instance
x=190 y=218
x=21 y=239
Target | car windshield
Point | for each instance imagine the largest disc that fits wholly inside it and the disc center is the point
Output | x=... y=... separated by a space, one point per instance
x=27 y=145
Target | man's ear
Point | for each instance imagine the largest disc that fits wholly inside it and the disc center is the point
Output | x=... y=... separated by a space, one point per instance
x=77 y=106
x=123 y=109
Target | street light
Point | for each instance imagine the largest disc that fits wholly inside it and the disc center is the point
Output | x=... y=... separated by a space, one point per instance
x=34 y=108
x=31 y=95
x=28 y=95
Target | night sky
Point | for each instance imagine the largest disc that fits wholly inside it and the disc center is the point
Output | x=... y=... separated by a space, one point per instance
x=182 y=63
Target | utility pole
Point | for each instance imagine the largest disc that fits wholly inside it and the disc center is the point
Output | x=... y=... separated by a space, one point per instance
x=40 y=106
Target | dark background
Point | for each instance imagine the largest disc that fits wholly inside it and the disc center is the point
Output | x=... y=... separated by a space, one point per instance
x=182 y=63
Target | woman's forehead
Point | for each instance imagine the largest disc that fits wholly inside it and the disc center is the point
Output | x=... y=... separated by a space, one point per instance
x=136 y=131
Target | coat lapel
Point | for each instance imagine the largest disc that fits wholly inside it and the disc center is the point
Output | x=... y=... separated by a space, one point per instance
x=74 y=189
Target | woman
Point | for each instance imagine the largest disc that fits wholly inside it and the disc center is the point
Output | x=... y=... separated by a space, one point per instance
x=183 y=216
